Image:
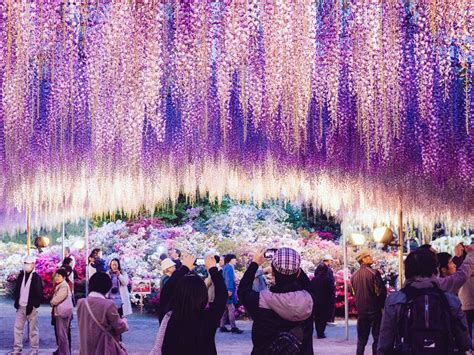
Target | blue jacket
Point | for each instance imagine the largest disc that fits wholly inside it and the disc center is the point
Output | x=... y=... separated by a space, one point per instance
x=229 y=278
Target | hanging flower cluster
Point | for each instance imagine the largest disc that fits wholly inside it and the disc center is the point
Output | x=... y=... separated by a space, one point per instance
x=109 y=105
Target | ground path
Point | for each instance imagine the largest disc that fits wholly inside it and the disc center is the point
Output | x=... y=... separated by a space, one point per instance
x=143 y=328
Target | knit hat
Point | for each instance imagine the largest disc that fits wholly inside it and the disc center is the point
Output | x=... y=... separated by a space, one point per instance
x=167 y=263
x=362 y=254
x=286 y=261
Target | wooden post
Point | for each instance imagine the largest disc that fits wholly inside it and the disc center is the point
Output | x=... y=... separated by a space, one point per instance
x=28 y=231
x=400 y=242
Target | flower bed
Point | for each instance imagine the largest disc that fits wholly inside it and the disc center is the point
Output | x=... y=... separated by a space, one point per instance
x=242 y=230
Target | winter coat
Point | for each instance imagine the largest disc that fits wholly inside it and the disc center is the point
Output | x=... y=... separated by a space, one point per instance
x=124 y=294
x=279 y=309
x=196 y=336
x=369 y=290
x=166 y=293
x=93 y=340
x=229 y=277
x=466 y=294
x=61 y=292
x=454 y=282
x=393 y=310
x=35 y=296
x=323 y=289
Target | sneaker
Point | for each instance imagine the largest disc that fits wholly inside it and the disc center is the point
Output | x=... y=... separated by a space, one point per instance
x=224 y=330
x=236 y=331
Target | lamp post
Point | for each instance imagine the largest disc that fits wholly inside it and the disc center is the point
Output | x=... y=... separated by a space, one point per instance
x=28 y=230
x=86 y=233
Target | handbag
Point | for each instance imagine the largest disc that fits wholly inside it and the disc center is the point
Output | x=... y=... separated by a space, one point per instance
x=64 y=309
x=119 y=345
x=160 y=337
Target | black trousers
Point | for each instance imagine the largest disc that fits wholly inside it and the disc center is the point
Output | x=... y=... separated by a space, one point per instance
x=470 y=319
x=365 y=324
x=320 y=325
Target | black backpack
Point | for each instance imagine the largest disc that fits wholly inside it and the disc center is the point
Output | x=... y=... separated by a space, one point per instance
x=425 y=323
x=287 y=343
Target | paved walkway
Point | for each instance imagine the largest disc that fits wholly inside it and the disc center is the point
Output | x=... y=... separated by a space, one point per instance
x=143 y=328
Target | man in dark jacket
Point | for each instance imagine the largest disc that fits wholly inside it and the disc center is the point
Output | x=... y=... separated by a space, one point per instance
x=28 y=295
x=370 y=294
x=420 y=272
x=324 y=291
x=285 y=307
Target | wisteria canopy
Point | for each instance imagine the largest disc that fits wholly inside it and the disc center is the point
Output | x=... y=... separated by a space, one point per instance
x=346 y=104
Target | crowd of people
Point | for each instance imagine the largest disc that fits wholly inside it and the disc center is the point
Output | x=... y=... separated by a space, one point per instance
x=432 y=314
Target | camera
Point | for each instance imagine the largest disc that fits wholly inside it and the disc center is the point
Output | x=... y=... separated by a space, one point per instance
x=114 y=290
x=270 y=253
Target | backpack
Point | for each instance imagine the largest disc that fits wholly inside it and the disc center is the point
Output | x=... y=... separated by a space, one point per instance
x=425 y=323
x=287 y=343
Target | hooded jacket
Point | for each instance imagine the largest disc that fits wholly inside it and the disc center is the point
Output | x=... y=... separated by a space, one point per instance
x=393 y=312
x=35 y=297
x=279 y=309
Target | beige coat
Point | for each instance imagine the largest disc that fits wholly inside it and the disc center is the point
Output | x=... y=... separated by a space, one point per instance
x=60 y=294
x=93 y=340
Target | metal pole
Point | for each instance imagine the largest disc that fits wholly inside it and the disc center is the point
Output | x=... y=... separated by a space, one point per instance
x=28 y=230
x=400 y=243
x=346 y=294
x=87 y=254
x=63 y=232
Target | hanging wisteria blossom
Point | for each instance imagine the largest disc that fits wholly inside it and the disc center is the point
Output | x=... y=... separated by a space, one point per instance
x=348 y=105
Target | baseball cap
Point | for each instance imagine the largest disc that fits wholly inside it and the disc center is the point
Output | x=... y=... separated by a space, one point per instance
x=286 y=261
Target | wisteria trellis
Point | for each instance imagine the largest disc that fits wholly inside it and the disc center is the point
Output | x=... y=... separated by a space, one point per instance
x=347 y=104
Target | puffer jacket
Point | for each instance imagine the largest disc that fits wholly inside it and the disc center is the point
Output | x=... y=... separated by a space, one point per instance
x=393 y=312
x=279 y=309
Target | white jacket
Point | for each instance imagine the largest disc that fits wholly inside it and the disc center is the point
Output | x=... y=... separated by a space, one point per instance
x=124 y=294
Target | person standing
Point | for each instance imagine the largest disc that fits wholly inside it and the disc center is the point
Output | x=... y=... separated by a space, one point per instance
x=370 y=294
x=228 y=272
x=323 y=289
x=175 y=256
x=188 y=326
x=96 y=263
x=99 y=322
x=260 y=281
x=119 y=291
x=421 y=318
x=168 y=267
x=28 y=295
x=62 y=298
x=282 y=314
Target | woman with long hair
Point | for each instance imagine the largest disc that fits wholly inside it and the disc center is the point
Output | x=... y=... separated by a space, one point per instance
x=119 y=291
x=188 y=327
